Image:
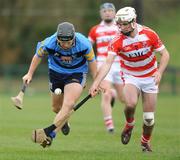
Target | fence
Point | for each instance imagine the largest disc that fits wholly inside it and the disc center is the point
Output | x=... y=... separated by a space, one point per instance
x=11 y=79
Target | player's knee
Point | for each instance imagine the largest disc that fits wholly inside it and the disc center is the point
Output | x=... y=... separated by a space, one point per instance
x=148 y=118
x=131 y=103
x=107 y=94
x=113 y=93
x=69 y=103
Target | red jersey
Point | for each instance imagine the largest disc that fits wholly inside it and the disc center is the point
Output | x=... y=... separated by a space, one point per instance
x=138 y=53
x=102 y=34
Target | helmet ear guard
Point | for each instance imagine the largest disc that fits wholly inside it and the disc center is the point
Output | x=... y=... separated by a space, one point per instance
x=132 y=24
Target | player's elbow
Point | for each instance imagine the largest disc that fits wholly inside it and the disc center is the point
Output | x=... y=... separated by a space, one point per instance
x=165 y=55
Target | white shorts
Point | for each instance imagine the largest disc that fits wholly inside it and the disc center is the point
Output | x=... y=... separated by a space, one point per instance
x=146 y=84
x=115 y=74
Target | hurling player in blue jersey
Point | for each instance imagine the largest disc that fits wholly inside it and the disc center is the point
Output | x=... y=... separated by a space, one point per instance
x=69 y=54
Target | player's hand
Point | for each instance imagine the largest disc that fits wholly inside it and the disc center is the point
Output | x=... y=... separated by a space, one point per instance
x=94 y=90
x=27 y=78
x=157 y=77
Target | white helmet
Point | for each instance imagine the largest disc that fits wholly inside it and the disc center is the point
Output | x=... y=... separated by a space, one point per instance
x=125 y=14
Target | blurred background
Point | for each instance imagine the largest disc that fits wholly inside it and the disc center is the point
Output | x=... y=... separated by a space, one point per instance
x=24 y=23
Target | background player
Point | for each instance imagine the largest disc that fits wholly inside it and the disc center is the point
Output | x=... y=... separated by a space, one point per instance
x=101 y=35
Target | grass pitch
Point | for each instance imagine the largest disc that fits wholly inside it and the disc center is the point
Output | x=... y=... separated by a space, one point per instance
x=88 y=139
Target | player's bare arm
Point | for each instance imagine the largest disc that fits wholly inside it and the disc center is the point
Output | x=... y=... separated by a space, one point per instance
x=93 y=68
x=101 y=74
x=34 y=63
x=162 y=66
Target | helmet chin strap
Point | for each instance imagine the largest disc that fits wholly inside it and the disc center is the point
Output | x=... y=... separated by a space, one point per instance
x=127 y=33
x=67 y=48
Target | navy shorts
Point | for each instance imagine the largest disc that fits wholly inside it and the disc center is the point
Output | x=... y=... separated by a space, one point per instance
x=59 y=80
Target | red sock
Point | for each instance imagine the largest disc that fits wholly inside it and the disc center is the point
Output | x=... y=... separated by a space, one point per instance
x=145 y=138
x=109 y=122
x=130 y=122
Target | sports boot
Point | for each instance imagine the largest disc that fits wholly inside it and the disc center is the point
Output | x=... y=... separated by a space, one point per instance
x=65 y=129
x=126 y=135
x=146 y=147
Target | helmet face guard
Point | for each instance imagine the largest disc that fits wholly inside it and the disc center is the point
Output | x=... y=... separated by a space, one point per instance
x=65 y=38
x=124 y=23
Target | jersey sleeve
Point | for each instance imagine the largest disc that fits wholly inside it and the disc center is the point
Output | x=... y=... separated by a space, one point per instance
x=92 y=34
x=41 y=49
x=114 y=46
x=49 y=42
x=87 y=47
x=156 y=42
x=90 y=56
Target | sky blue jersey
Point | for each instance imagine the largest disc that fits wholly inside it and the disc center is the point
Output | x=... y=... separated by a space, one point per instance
x=72 y=60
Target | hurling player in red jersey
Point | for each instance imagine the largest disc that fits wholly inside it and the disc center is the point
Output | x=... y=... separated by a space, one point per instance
x=136 y=46
x=101 y=35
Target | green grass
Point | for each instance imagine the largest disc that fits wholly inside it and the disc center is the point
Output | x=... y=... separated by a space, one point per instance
x=88 y=139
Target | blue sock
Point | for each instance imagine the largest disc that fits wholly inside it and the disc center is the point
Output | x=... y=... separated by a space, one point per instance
x=52 y=134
